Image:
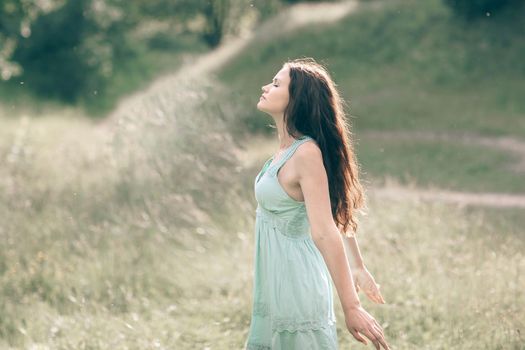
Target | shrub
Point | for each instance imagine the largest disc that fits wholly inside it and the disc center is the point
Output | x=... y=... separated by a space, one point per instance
x=471 y=9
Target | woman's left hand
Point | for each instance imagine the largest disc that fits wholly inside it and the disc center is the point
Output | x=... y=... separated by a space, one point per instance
x=364 y=280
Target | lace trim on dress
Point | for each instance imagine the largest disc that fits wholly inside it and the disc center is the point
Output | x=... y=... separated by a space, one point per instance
x=257 y=346
x=303 y=325
x=291 y=325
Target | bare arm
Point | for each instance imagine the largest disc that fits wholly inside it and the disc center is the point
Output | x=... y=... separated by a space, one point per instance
x=326 y=236
x=353 y=253
x=363 y=279
x=330 y=244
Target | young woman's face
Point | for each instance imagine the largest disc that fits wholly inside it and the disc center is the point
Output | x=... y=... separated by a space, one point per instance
x=275 y=97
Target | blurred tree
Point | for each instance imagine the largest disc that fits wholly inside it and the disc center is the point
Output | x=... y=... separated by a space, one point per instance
x=67 y=49
x=471 y=9
x=216 y=14
x=295 y=1
x=16 y=17
x=72 y=49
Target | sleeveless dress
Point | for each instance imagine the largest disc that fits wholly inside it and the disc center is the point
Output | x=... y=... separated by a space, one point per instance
x=292 y=305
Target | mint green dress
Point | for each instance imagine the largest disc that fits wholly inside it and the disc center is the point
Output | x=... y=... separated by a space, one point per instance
x=292 y=305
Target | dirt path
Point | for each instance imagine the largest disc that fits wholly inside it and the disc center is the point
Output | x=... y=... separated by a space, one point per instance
x=259 y=148
x=293 y=18
x=500 y=200
x=296 y=17
x=303 y=15
x=504 y=143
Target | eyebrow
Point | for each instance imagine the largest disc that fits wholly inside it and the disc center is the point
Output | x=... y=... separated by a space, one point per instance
x=275 y=79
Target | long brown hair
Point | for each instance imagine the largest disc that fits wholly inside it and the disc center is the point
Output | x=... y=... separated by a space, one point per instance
x=316 y=109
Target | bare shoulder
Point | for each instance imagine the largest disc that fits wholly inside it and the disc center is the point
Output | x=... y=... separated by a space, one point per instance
x=308 y=150
x=308 y=157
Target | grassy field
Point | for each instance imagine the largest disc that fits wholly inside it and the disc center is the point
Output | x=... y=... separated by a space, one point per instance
x=115 y=265
x=410 y=66
x=92 y=260
x=439 y=165
x=148 y=63
x=141 y=237
x=451 y=278
x=100 y=225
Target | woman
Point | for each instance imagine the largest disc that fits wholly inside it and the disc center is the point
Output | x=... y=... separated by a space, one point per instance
x=306 y=196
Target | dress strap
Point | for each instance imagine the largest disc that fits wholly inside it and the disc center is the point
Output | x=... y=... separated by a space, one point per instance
x=261 y=173
x=288 y=154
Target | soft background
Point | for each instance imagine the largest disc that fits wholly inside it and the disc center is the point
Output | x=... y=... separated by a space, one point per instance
x=130 y=140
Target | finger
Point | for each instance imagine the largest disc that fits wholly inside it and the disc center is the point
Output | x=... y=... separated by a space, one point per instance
x=379 y=326
x=379 y=298
x=378 y=330
x=380 y=337
x=373 y=336
x=376 y=295
x=383 y=343
x=373 y=295
x=370 y=333
x=369 y=286
x=358 y=336
x=380 y=295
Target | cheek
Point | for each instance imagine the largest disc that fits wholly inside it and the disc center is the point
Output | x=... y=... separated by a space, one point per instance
x=283 y=99
x=278 y=98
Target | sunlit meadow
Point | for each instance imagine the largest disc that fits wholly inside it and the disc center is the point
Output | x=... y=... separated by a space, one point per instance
x=143 y=240
x=137 y=233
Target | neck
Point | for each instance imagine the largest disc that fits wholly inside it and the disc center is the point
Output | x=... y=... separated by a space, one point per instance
x=285 y=139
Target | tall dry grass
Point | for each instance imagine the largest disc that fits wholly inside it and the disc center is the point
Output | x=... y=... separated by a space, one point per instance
x=101 y=226
x=142 y=238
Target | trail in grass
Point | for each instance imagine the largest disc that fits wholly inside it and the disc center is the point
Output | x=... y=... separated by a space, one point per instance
x=301 y=15
x=503 y=143
x=402 y=193
x=261 y=147
x=290 y=19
